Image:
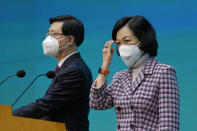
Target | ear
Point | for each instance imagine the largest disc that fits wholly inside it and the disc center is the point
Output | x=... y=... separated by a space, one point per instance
x=70 y=40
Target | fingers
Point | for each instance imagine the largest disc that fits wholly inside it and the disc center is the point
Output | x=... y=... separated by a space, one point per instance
x=109 y=43
x=107 y=46
x=107 y=53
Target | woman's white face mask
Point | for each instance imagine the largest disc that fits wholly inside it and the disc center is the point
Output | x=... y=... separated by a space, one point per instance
x=130 y=54
x=51 y=46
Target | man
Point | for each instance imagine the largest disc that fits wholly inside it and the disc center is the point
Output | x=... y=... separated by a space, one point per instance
x=67 y=99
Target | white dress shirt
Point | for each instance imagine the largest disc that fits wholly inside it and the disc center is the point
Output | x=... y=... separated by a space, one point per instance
x=65 y=58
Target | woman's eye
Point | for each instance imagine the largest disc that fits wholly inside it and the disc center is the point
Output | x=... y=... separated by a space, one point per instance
x=127 y=41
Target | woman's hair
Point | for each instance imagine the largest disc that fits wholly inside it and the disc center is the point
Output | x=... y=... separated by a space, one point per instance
x=142 y=29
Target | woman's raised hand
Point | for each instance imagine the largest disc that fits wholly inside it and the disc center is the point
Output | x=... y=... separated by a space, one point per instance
x=107 y=54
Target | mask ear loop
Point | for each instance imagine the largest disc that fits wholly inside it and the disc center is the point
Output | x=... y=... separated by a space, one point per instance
x=65 y=46
x=61 y=38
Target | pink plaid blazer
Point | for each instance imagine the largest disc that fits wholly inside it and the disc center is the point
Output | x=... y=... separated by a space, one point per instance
x=151 y=103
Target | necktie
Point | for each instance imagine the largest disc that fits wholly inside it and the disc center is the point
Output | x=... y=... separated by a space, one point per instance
x=56 y=69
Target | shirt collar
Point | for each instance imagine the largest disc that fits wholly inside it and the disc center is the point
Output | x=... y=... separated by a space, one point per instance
x=65 y=58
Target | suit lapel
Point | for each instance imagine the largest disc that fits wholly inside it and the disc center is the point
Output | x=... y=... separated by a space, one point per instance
x=127 y=83
x=138 y=81
x=71 y=59
x=65 y=64
x=148 y=69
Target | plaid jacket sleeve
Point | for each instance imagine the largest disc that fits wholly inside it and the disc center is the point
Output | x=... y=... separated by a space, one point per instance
x=101 y=98
x=168 y=101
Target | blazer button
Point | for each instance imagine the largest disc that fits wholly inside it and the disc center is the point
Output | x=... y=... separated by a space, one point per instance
x=118 y=108
x=132 y=126
x=132 y=108
x=118 y=126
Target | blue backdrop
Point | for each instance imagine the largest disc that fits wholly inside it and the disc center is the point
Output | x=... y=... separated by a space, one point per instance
x=23 y=24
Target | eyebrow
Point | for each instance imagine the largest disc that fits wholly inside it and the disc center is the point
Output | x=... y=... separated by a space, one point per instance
x=124 y=37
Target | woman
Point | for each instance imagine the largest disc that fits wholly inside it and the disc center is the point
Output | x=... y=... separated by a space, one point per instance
x=145 y=96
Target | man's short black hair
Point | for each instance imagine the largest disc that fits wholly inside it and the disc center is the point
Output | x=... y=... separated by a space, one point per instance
x=71 y=26
x=142 y=29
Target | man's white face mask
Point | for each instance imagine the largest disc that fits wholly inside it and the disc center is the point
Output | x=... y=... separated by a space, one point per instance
x=51 y=46
x=130 y=54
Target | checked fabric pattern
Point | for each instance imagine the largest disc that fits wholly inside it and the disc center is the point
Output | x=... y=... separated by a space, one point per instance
x=150 y=103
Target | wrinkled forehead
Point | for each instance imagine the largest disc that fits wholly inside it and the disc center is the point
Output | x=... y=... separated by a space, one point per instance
x=56 y=27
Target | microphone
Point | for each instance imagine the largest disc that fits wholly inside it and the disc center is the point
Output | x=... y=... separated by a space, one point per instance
x=49 y=74
x=20 y=74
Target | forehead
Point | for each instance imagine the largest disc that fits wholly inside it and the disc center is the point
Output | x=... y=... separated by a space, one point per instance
x=124 y=32
x=56 y=27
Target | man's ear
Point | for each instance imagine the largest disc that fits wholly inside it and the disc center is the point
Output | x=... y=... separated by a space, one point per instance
x=70 y=40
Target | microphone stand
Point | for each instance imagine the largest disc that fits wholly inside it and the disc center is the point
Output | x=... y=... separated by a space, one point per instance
x=27 y=88
x=6 y=79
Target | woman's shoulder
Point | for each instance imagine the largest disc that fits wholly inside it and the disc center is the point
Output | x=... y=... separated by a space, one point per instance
x=121 y=74
x=164 y=67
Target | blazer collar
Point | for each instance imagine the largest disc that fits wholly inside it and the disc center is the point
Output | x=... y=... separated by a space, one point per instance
x=148 y=69
x=67 y=62
x=71 y=59
x=150 y=65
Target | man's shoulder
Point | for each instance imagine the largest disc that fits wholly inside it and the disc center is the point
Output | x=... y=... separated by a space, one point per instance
x=77 y=65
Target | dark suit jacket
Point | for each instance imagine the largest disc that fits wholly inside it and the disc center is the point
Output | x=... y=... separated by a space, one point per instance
x=67 y=99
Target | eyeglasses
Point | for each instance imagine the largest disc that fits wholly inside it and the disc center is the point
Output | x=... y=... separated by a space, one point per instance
x=54 y=34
